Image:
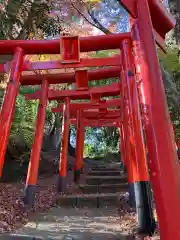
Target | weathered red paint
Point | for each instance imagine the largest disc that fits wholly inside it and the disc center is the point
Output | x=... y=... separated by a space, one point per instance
x=36 y=147
x=9 y=101
x=83 y=63
x=126 y=124
x=80 y=131
x=96 y=114
x=161 y=24
x=107 y=90
x=140 y=161
x=70 y=49
x=81 y=76
x=102 y=122
x=122 y=145
x=97 y=74
x=114 y=103
x=87 y=44
x=161 y=148
x=64 y=141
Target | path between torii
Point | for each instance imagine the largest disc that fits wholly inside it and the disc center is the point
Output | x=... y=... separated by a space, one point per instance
x=72 y=223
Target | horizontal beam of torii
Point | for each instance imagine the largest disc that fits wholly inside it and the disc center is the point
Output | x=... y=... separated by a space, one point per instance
x=87 y=44
x=90 y=105
x=97 y=115
x=103 y=91
x=99 y=122
x=97 y=74
x=113 y=114
x=48 y=65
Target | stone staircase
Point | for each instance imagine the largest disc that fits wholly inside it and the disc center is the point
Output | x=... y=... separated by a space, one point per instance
x=90 y=214
x=102 y=187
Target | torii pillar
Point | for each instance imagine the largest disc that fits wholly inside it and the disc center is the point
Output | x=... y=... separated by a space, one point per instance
x=9 y=102
x=162 y=154
x=128 y=146
x=30 y=189
x=141 y=184
x=122 y=147
x=64 y=147
x=80 y=132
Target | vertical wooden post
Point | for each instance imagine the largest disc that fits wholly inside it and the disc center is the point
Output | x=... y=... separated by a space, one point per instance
x=64 y=147
x=30 y=189
x=9 y=102
x=122 y=147
x=128 y=140
x=162 y=156
x=142 y=181
x=80 y=132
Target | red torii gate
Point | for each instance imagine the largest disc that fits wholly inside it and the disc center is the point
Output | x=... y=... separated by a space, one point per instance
x=137 y=174
x=96 y=74
x=114 y=103
x=102 y=122
x=149 y=22
x=94 y=94
x=92 y=119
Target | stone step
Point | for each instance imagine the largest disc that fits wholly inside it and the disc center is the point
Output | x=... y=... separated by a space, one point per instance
x=105 y=173
x=7 y=236
x=90 y=200
x=104 y=188
x=98 y=180
x=105 y=169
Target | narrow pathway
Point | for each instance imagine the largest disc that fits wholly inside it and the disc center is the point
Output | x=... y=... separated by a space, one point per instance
x=93 y=213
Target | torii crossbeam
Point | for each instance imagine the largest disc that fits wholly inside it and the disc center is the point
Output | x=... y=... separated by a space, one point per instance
x=107 y=90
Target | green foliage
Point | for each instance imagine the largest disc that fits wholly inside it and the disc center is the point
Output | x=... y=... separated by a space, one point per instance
x=170 y=61
x=24 y=118
x=23 y=125
x=171 y=65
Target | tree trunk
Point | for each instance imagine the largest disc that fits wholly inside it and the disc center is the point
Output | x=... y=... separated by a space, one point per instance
x=175 y=11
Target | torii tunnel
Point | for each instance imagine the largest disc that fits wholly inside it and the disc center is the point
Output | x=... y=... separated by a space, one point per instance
x=139 y=110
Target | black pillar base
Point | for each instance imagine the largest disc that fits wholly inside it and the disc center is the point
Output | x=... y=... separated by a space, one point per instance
x=132 y=200
x=144 y=209
x=29 y=195
x=77 y=175
x=61 y=185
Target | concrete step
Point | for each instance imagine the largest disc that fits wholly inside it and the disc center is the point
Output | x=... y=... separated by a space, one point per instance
x=98 y=180
x=90 y=200
x=105 y=173
x=104 y=188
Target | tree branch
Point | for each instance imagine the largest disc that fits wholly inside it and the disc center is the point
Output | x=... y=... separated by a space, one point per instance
x=101 y=27
x=96 y=23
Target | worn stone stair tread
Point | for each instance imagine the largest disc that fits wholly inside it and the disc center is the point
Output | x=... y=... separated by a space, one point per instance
x=105 y=185
x=93 y=195
x=10 y=236
x=94 y=200
x=105 y=177
x=105 y=169
x=103 y=188
x=106 y=173
x=99 y=180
